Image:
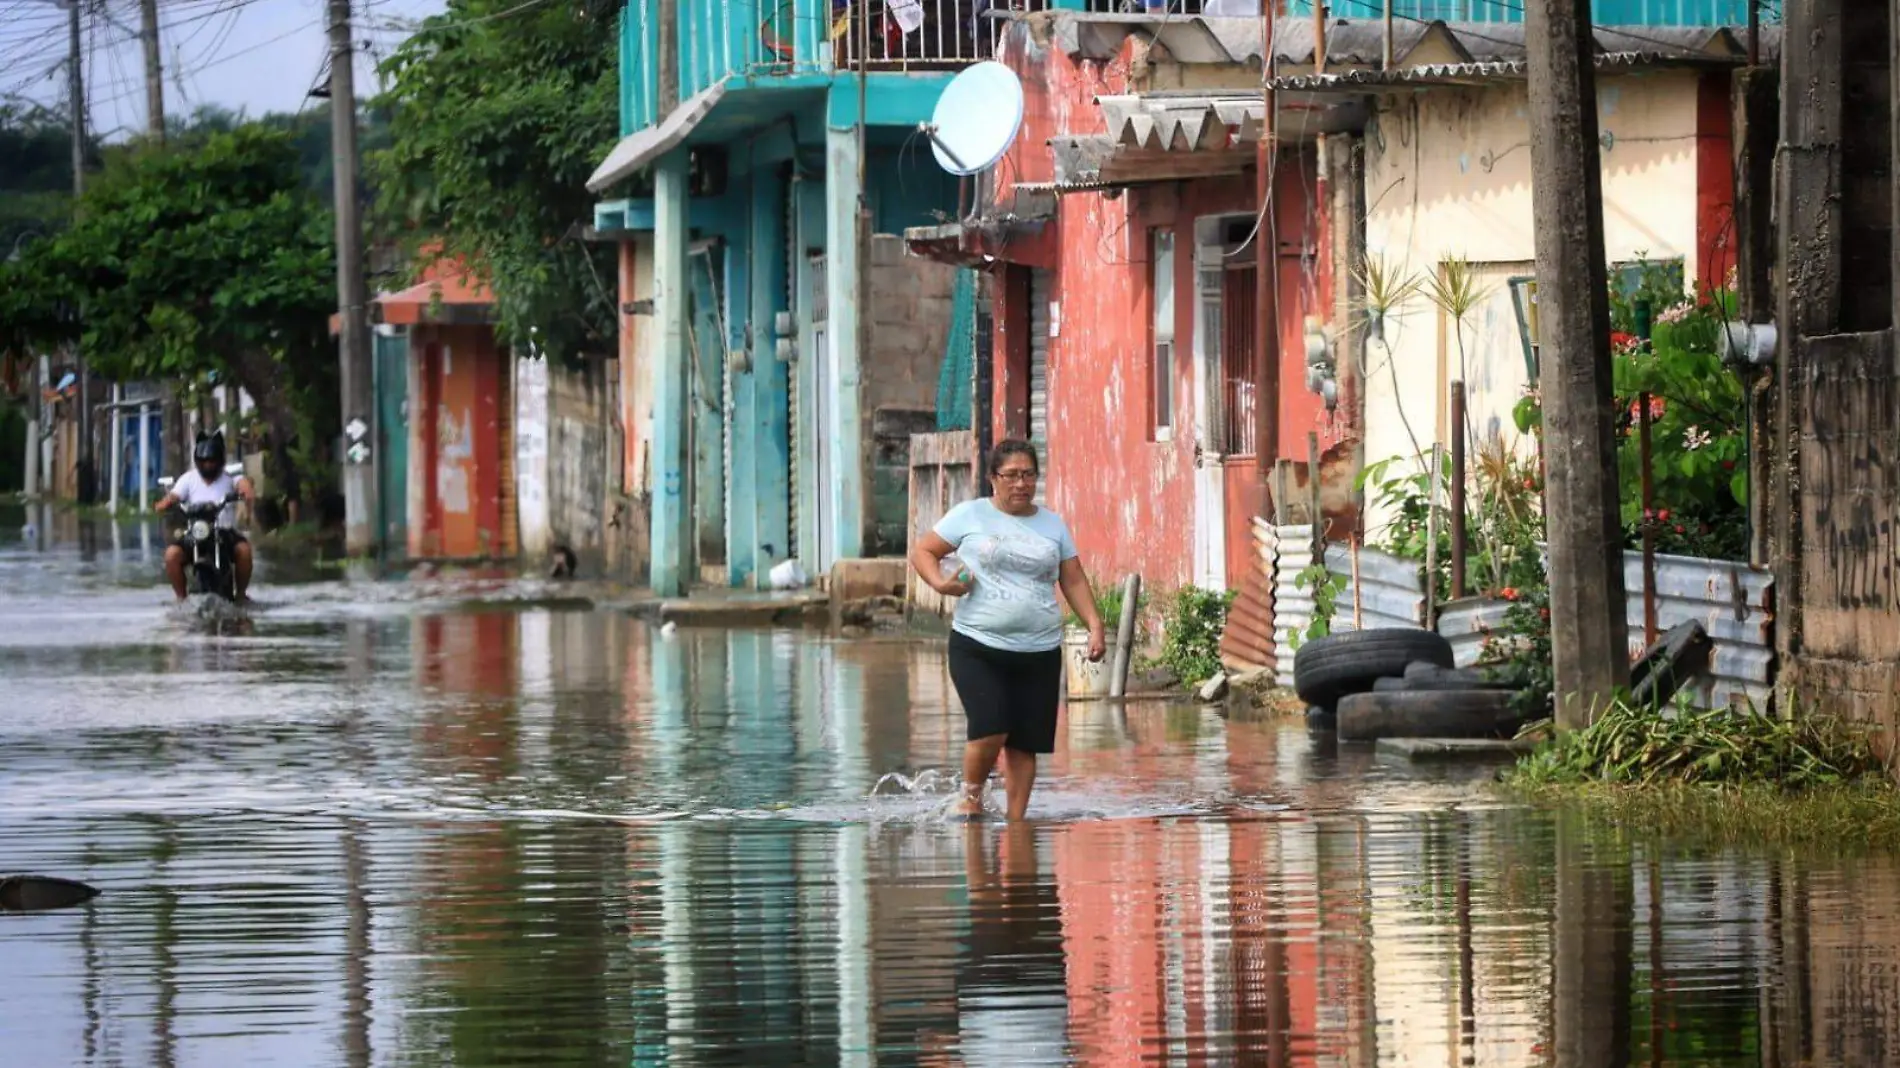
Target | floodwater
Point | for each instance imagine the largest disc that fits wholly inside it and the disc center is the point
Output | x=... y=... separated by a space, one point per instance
x=378 y=824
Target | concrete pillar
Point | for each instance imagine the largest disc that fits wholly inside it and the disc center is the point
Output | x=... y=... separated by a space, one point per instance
x=667 y=569
x=771 y=381
x=809 y=228
x=1589 y=635
x=742 y=271
x=843 y=429
x=115 y=442
x=145 y=458
x=30 y=458
x=706 y=408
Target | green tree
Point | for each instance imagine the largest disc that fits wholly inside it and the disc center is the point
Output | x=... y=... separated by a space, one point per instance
x=498 y=113
x=36 y=175
x=203 y=257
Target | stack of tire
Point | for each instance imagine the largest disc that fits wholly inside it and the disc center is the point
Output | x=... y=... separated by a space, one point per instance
x=1399 y=682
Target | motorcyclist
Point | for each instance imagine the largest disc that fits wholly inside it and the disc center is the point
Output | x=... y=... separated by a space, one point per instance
x=207 y=483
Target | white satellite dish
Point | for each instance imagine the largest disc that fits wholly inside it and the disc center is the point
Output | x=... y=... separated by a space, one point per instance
x=976 y=118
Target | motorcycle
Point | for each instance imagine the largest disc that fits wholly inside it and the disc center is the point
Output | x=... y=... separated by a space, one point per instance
x=210 y=560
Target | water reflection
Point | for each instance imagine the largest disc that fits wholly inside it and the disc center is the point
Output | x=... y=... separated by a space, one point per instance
x=382 y=830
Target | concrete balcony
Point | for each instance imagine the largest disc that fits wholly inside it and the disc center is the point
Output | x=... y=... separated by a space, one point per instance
x=800 y=43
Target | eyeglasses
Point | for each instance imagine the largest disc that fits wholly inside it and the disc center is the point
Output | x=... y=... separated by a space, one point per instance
x=1016 y=476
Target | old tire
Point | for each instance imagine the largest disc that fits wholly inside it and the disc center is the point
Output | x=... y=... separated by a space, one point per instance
x=1321 y=719
x=1327 y=669
x=1367 y=717
x=1665 y=667
x=1423 y=676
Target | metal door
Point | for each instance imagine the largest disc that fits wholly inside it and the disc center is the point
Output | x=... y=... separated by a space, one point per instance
x=1040 y=293
x=1211 y=429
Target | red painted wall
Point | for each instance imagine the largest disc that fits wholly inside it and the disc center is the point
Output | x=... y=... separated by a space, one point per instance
x=1129 y=499
x=1716 y=231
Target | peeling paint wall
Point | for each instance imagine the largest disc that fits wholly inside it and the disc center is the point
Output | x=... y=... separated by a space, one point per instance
x=910 y=323
x=1127 y=491
x=578 y=462
x=629 y=520
x=1448 y=175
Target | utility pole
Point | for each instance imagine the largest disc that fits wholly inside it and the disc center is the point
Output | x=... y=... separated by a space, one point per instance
x=1266 y=255
x=76 y=86
x=154 y=69
x=360 y=535
x=1589 y=636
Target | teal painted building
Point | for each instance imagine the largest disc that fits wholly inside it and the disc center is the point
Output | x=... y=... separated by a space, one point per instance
x=753 y=136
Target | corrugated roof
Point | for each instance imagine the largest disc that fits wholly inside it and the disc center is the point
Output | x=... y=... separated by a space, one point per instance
x=1170 y=123
x=1468 y=73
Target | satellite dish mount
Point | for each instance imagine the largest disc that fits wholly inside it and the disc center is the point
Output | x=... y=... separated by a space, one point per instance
x=976 y=119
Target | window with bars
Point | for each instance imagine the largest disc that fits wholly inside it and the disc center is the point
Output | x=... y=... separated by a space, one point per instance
x=1238 y=403
x=1161 y=363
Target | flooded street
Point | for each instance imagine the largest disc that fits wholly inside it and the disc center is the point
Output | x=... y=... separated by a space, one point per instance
x=379 y=825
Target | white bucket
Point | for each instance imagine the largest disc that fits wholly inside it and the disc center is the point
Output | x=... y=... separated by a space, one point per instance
x=1087 y=680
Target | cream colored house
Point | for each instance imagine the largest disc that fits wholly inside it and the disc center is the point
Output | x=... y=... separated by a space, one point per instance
x=1447 y=177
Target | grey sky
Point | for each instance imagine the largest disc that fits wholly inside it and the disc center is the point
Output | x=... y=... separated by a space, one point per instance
x=253 y=55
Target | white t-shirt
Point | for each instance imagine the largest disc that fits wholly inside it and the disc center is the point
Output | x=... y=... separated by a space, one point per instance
x=1014 y=562
x=191 y=489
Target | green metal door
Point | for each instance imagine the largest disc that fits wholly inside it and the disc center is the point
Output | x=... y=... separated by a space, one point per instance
x=392 y=417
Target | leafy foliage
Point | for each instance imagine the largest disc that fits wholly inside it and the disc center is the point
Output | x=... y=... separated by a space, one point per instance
x=1108 y=604
x=1698 y=441
x=1326 y=588
x=1190 y=643
x=1637 y=746
x=1520 y=651
x=497 y=116
x=205 y=257
x=36 y=179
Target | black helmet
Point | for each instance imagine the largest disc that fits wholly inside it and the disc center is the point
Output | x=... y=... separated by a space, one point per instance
x=210 y=448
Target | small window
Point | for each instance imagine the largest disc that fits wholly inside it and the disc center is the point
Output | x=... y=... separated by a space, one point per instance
x=1161 y=367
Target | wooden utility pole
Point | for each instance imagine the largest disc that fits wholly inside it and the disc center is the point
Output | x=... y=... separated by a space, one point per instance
x=1589 y=636
x=154 y=69
x=1266 y=339
x=76 y=87
x=360 y=535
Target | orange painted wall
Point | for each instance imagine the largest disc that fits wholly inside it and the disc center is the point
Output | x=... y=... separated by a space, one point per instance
x=460 y=436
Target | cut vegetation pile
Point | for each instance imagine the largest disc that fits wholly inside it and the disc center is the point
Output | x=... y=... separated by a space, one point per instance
x=1636 y=746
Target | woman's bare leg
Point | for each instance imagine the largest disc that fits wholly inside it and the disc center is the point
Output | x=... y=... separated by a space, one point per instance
x=979 y=757
x=1020 y=780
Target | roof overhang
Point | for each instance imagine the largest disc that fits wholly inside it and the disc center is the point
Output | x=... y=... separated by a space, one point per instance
x=1171 y=136
x=979 y=239
x=637 y=151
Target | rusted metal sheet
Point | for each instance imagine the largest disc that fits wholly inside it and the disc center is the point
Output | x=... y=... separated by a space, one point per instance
x=1248 y=638
x=1467 y=624
x=1734 y=603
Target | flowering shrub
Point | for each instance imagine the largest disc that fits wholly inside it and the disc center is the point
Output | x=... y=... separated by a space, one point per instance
x=1698 y=442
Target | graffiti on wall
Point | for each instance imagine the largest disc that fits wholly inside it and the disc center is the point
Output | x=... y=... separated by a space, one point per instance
x=455 y=459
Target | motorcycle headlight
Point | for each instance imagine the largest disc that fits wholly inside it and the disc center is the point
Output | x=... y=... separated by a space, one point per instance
x=200 y=530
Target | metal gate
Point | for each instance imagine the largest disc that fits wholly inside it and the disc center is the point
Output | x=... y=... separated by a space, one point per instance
x=1040 y=291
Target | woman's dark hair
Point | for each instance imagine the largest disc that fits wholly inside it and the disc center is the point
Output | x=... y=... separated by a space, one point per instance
x=1009 y=447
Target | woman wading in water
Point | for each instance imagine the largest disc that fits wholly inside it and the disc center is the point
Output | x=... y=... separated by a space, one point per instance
x=1006 y=639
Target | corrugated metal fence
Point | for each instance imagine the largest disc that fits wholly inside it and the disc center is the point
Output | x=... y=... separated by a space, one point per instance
x=1734 y=603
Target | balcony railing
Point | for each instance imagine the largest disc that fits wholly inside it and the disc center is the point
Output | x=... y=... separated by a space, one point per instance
x=718 y=39
x=921 y=34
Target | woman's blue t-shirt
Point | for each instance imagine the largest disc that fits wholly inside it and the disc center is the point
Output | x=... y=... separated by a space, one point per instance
x=1013 y=563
